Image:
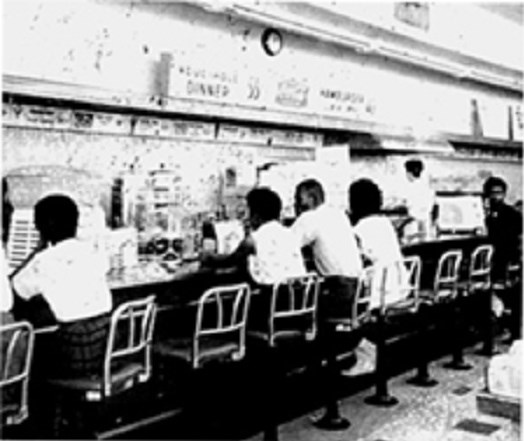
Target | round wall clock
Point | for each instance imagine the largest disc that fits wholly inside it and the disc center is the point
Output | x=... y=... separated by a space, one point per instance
x=272 y=41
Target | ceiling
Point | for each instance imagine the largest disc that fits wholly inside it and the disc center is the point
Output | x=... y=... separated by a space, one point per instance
x=511 y=11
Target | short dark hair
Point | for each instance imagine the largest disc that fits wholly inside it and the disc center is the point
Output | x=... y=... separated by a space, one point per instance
x=414 y=166
x=365 y=198
x=56 y=217
x=313 y=188
x=494 y=181
x=264 y=203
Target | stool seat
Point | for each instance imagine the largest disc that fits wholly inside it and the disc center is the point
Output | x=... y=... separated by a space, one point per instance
x=283 y=334
x=181 y=348
x=431 y=297
x=409 y=305
x=120 y=376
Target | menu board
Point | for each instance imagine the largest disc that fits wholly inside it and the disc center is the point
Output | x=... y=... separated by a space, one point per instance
x=194 y=77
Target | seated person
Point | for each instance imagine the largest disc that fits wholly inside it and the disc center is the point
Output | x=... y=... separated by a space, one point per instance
x=326 y=232
x=71 y=278
x=270 y=251
x=378 y=241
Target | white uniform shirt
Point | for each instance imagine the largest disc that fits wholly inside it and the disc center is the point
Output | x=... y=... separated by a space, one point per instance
x=379 y=243
x=329 y=232
x=277 y=254
x=419 y=199
x=72 y=279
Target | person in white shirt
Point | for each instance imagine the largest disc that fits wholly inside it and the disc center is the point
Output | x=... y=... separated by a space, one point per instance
x=420 y=203
x=328 y=233
x=378 y=243
x=270 y=252
x=71 y=278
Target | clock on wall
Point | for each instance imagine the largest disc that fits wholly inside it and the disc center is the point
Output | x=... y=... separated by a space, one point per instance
x=272 y=41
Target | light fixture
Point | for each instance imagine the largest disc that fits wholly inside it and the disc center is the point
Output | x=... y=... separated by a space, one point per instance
x=272 y=41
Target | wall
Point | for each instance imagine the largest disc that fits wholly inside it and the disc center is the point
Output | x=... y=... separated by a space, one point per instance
x=109 y=145
x=116 y=46
x=463 y=27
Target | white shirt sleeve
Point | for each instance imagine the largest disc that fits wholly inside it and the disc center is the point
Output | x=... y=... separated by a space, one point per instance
x=304 y=229
x=28 y=282
x=360 y=231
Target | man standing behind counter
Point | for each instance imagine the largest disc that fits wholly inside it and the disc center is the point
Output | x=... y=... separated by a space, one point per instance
x=504 y=225
x=420 y=203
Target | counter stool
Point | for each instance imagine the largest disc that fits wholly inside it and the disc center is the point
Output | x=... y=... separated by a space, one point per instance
x=127 y=360
x=292 y=319
x=217 y=338
x=390 y=316
x=17 y=341
x=434 y=301
x=352 y=325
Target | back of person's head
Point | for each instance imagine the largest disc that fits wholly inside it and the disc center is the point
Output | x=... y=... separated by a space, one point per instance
x=493 y=182
x=7 y=211
x=365 y=198
x=264 y=203
x=414 y=167
x=313 y=189
x=56 y=217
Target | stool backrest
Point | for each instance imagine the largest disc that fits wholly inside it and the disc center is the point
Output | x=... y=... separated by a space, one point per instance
x=222 y=314
x=294 y=302
x=361 y=311
x=398 y=284
x=447 y=275
x=410 y=287
x=17 y=341
x=130 y=339
x=480 y=267
x=413 y=266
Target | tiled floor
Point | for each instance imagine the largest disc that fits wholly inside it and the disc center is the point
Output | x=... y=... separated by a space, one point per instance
x=447 y=412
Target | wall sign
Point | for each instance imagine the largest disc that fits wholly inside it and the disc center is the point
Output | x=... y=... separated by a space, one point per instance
x=268 y=137
x=189 y=78
x=292 y=93
x=415 y=14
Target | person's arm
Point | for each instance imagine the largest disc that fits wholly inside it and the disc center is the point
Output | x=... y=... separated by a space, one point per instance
x=236 y=258
x=26 y=280
x=304 y=230
x=360 y=238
